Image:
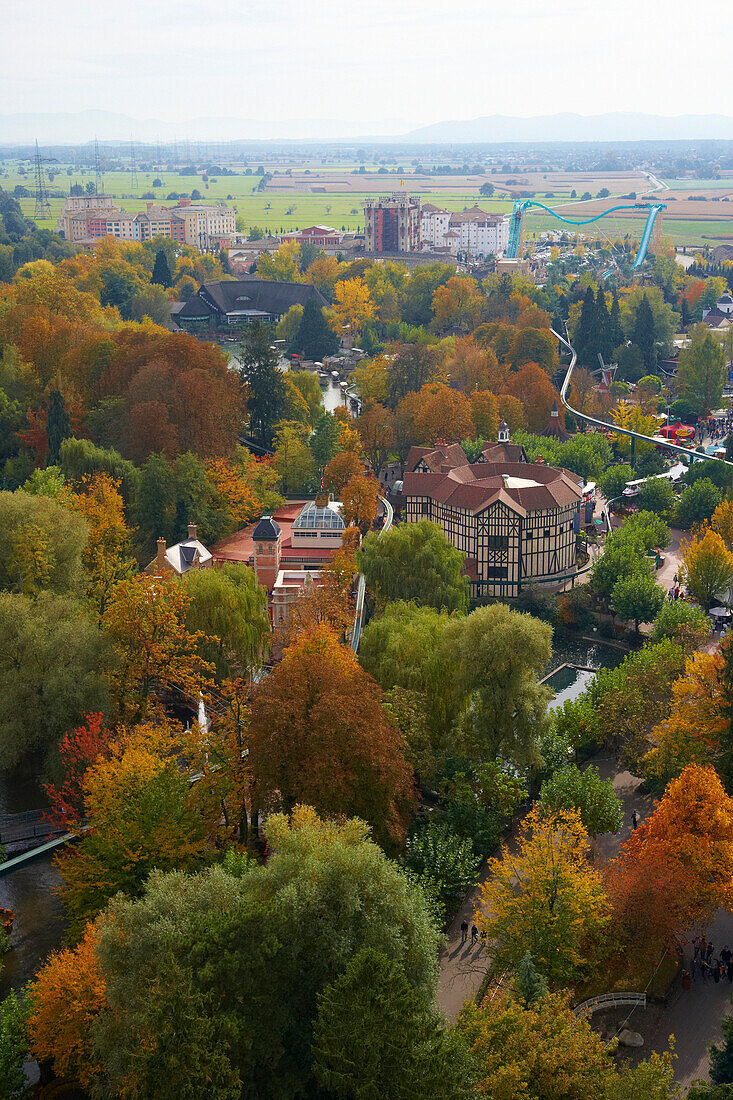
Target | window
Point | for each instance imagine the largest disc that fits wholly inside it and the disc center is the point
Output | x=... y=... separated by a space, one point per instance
x=546 y=533
x=528 y=535
x=425 y=507
x=496 y=573
x=497 y=542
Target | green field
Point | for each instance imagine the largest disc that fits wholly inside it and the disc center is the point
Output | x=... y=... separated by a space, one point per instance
x=280 y=212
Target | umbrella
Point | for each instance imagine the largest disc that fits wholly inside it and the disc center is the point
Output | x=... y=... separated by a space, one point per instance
x=720 y=612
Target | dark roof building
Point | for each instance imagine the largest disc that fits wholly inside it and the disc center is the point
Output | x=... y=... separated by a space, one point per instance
x=237 y=302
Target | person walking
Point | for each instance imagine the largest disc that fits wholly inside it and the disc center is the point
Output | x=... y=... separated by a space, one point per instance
x=474 y=934
x=703 y=970
x=635 y=819
x=709 y=954
x=716 y=971
x=464 y=931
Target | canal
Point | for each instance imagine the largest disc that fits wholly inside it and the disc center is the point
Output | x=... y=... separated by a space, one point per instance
x=573 y=660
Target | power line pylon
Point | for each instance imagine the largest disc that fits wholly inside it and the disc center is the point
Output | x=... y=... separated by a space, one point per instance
x=133 y=167
x=98 y=177
x=43 y=206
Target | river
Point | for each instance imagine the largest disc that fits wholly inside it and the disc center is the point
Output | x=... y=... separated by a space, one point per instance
x=333 y=395
x=31 y=893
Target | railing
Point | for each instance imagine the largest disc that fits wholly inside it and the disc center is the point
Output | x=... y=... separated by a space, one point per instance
x=361 y=591
x=615 y=427
x=610 y=1000
x=29 y=825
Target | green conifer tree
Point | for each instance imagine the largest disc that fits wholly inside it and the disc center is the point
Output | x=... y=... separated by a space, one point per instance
x=529 y=985
x=161 y=270
x=58 y=426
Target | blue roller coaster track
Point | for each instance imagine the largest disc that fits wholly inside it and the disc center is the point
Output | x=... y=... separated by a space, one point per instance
x=515 y=225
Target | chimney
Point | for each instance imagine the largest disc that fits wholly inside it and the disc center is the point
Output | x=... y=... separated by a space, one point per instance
x=149 y=206
x=192 y=530
x=160 y=556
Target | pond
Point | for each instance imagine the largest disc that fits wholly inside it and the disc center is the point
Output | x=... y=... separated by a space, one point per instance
x=573 y=660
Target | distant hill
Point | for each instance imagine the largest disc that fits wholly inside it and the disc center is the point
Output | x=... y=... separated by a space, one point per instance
x=76 y=128
x=616 y=126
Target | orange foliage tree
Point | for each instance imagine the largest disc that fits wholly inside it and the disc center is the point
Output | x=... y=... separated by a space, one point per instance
x=459 y=304
x=471 y=367
x=445 y=414
x=359 y=502
x=676 y=869
x=64 y=1000
x=107 y=556
x=375 y=431
x=341 y=468
x=533 y=388
x=485 y=414
x=319 y=735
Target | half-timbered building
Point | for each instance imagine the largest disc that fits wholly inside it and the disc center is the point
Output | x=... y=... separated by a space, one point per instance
x=516 y=521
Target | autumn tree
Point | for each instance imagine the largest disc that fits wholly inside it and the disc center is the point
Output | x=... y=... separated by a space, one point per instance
x=142 y=813
x=107 y=556
x=375 y=431
x=371 y=377
x=352 y=306
x=359 y=502
x=471 y=367
x=65 y=998
x=485 y=414
x=282 y=266
x=532 y=386
x=675 y=869
x=293 y=456
x=78 y=750
x=459 y=304
x=318 y=734
x=534 y=345
x=414 y=562
x=146 y=619
x=545 y=898
x=341 y=469
x=414 y=366
x=707 y=567
x=511 y=410
x=445 y=415
x=546 y=1052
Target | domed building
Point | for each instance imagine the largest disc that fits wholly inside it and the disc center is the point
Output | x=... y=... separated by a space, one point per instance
x=516 y=521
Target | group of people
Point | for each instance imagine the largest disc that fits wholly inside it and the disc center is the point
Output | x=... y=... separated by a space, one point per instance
x=708 y=965
x=676 y=592
x=475 y=934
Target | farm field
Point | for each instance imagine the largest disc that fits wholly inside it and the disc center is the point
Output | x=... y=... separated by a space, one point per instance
x=333 y=195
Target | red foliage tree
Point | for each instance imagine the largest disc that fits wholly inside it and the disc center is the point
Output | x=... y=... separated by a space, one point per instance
x=78 y=750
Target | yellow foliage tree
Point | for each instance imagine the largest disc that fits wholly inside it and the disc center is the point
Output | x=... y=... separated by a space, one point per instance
x=545 y=898
x=632 y=418
x=707 y=567
x=692 y=734
x=352 y=305
x=108 y=554
x=371 y=381
x=722 y=520
x=283 y=265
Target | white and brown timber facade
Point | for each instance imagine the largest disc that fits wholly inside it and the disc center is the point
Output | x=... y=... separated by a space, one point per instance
x=516 y=522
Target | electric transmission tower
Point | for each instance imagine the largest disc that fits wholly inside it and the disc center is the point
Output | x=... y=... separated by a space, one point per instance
x=98 y=177
x=133 y=166
x=43 y=206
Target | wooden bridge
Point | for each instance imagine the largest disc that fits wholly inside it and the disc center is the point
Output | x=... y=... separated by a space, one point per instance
x=610 y=1000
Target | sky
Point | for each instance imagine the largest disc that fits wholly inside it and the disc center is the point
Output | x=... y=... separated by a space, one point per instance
x=376 y=67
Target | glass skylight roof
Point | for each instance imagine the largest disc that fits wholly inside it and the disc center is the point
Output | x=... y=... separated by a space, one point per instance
x=313 y=518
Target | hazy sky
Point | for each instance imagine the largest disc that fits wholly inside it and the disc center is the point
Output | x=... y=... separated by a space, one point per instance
x=380 y=66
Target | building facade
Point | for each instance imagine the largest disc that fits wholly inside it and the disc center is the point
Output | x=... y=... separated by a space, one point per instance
x=240 y=301
x=322 y=236
x=516 y=521
x=473 y=231
x=392 y=223
x=202 y=227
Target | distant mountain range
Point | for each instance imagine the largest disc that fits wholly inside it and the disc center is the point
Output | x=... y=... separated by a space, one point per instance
x=82 y=126
x=616 y=126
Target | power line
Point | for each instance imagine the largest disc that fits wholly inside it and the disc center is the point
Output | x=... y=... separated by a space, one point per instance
x=133 y=167
x=43 y=206
x=98 y=176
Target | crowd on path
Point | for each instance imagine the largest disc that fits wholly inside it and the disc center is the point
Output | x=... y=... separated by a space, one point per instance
x=706 y=965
